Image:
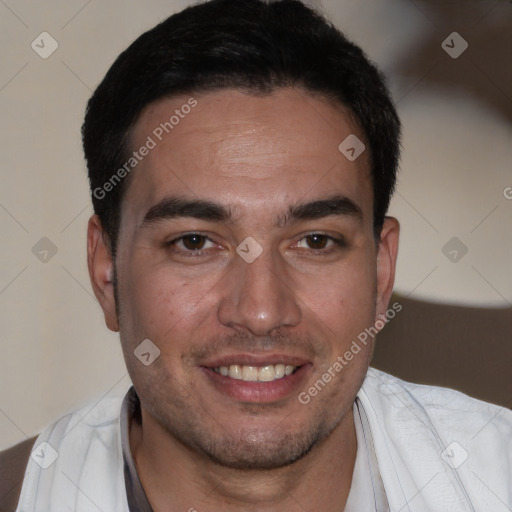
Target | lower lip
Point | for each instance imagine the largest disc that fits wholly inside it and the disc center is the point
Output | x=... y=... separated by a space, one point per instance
x=259 y=392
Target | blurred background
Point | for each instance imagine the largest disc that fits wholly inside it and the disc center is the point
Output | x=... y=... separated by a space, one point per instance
x=448 y=67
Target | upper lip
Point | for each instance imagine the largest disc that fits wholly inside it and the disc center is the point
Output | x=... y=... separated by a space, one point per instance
x=247 y=359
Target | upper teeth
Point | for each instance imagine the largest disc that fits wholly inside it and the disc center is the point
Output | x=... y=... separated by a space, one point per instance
x=256 y=373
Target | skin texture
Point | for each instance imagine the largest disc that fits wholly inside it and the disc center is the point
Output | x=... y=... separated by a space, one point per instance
x=197 y=300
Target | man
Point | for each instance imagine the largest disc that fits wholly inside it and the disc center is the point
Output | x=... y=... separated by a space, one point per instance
x=241 y=156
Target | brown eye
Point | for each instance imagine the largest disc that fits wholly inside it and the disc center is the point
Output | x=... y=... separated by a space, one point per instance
x=320 y=244
x=193 y=242
x=193 y=245
x=317 y=241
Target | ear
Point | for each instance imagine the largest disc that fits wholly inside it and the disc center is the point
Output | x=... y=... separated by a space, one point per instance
x=101 y=271
x=386 y=262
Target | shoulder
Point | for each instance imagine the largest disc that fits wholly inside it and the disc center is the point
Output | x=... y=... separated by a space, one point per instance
x=465 y=443
x=13 y=463
x=447 y=408
x=95 y=417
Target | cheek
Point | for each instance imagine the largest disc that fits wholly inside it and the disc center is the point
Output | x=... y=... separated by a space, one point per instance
x=344 y=298
x=344 y=308
x=158 y=304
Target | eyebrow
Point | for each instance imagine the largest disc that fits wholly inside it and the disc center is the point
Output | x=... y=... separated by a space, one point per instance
x=332 y=206
x=176 y=207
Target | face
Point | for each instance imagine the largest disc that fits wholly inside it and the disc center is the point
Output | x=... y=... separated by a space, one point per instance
x=246 y=255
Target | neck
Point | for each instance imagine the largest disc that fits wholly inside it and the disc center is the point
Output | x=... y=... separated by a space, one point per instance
x=173 y=474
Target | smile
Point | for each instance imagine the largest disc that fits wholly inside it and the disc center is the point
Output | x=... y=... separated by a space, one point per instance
x=266 y=373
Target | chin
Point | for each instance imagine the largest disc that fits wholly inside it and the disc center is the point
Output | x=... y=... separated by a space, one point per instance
x=255 y=450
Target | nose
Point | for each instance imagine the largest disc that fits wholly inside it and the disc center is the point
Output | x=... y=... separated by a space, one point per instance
x=258 y=297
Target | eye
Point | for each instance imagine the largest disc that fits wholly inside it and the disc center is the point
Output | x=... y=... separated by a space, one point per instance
x=192 y=242
x=319 y=243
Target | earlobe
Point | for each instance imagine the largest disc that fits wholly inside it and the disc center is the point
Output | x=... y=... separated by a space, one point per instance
x=386 y=263
x=100 y=264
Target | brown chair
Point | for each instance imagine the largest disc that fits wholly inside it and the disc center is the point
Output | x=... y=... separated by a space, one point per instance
x=464 y=348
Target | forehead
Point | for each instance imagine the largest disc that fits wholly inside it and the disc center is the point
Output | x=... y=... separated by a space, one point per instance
x=245 y=150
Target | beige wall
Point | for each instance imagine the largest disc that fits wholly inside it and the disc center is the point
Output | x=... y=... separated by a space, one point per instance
x=56 y=351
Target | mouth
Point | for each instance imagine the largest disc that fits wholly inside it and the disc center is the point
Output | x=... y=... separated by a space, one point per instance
x=257 y=378
x=266 y=373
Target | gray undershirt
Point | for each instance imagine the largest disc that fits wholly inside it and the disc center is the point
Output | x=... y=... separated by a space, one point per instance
x=366 y=492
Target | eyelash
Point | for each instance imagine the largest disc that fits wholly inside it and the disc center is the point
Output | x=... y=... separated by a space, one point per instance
x=188 y=252
x=337 y=244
